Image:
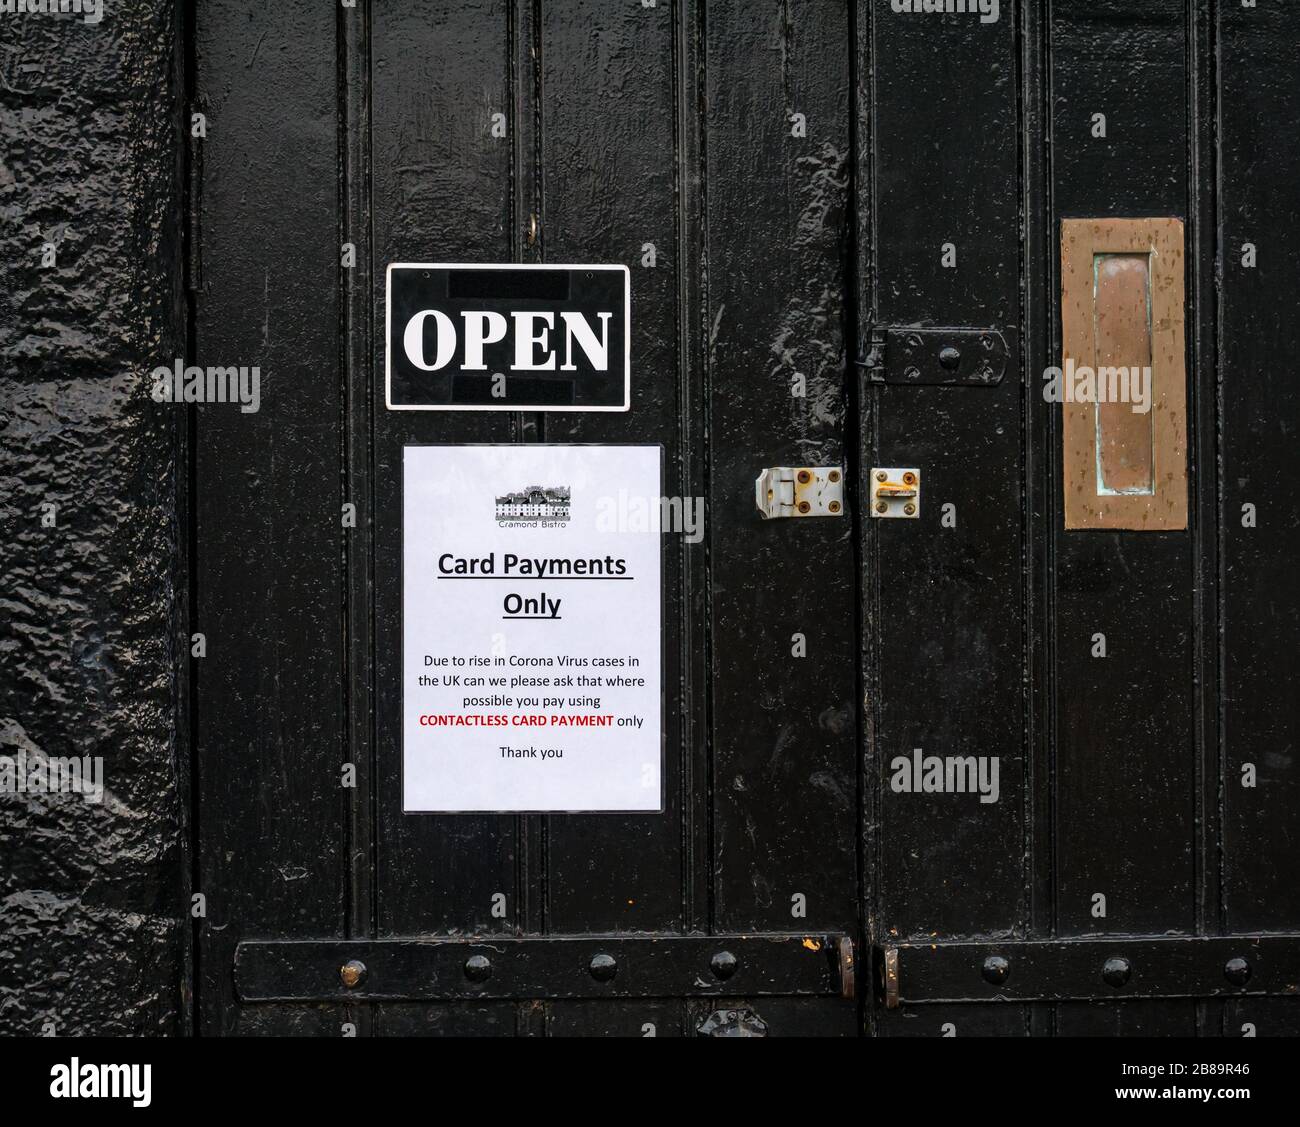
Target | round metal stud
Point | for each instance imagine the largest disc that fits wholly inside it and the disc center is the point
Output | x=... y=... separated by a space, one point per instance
x=1237 y=971
x=881 y=475
x=996 y=970
x=1116 y=972
x=910 y=509
x=949 y=358
x=478 y=968
x=724 y=964
x=882 y=506
x=603 y=967
x=352 y=973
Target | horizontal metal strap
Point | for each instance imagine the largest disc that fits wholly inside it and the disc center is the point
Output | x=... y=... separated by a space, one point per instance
x=1081 y=969
x=741 y=966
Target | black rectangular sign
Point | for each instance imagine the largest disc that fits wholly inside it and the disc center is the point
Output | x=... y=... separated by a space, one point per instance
x=507 y=337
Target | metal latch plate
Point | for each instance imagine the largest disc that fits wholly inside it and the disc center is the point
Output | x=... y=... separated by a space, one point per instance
x=896 y=492
x=937 y=356
x=800 y=491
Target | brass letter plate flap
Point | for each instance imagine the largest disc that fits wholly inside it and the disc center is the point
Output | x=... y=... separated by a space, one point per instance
x=1123 y=381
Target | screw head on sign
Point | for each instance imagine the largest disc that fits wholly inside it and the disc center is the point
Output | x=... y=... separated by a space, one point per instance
x=909 y=478
x=881 y=475
x=834 y=506
x=804 y=477
x=882 y=506
x=804 y=506
x=833 y=476
x=910 y=509
x=352 y=973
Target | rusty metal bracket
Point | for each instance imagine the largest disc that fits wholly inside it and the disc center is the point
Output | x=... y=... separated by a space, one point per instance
x=800 y=491
x=1085 y=969
x=889 y=971
x=936 y=357
x=848 y=977
x=895 y=492
x=668 y=966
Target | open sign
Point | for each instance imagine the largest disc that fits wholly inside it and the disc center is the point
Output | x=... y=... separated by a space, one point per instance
x=507 y=337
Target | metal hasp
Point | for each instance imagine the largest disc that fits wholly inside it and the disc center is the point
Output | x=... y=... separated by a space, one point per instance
x=670 y=966
x=1082 y=969
x=800 y=491
x=896 y=492
x=937 y=357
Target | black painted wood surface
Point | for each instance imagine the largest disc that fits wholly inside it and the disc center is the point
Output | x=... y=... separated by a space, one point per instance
x=798 y=168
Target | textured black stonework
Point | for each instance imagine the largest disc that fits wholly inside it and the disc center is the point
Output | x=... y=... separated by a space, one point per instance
x=92 y=916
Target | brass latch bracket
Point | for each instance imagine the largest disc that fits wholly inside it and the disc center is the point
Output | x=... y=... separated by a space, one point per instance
x=896 y=492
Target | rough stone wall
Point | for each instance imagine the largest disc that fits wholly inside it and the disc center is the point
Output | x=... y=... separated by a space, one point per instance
x=93 y=921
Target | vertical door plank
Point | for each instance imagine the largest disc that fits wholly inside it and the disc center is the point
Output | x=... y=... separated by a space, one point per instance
x=1147 y=1017
x=1260 y=206
x=269 y=715
x=608 y=155
x=647 y=1017
x=1261 y=1017
x=1125 y=742
x=968 y=1020
x=784 y=1017
x=949 y=594
x=441 y=192
x=783 y=727
x=608 y=173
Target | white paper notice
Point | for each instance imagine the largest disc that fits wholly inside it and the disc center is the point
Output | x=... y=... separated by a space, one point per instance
x=532 y=634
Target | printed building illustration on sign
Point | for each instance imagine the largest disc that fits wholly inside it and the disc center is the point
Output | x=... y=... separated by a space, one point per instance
x=535 y=502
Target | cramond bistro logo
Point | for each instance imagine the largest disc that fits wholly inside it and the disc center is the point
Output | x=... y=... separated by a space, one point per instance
x=536 y=506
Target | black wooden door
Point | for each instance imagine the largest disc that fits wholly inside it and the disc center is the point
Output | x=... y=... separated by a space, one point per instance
x=815 y=201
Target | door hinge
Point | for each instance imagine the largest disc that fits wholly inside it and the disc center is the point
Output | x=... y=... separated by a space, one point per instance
x=935 y=356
